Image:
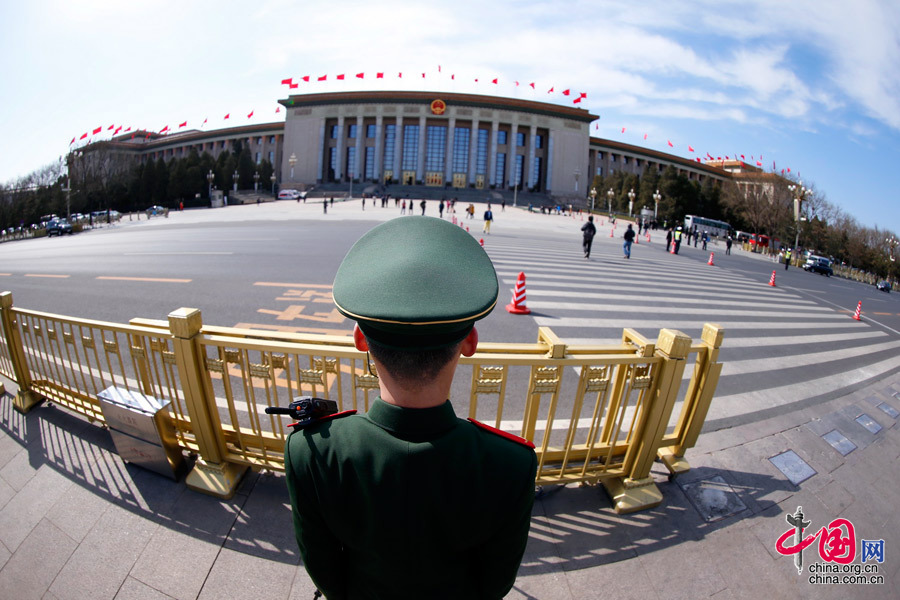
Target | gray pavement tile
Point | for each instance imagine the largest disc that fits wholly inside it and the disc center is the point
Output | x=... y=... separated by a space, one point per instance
x=302 y=588
x=835 y=496
x=193 y=533
x=77 y=511
x=10 y=446
x=34 y=566
x=694 y=577
x=756 y=480
x=98 y=568
x=7 y=493
x=133 y=589
x=813 y=449
x=793 y=467
x=18 y=470
x=240 y=576
x=30 y=505
x=839 y=442
x=264 y=528
x=623 y=580
x=4 y=555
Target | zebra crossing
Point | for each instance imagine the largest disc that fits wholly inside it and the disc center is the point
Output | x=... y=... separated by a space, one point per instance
x=781 y=350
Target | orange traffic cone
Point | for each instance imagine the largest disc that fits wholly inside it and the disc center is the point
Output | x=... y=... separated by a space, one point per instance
x=648 y=238
x=672 y=247
x=858 y=312
x=611 y=232
x=481 y=241
x=517 y=305
x=710 y=261
x=772 y=280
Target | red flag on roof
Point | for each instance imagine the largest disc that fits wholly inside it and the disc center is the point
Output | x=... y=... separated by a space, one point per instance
x=98 y=130
x=287 y=81
x=294 y=86
x=697 y=159
x=759 y=163
x=400 y=75
x=164 y=129
x=204 y=122
x=118 y=129
x=360 y=75
x=532 y=85
x=453 y=76
x=379 y=75
x=182 y=124
x=72 y=142
x=743 y=157
x=306 y=78
x=439 y=68
x=341 y=76
x=550 y=91
x=228 y=116
x=83 y=135
x=576 y=100
x=584 y=94
x=597 y=126
x=517 y=84
x=623 y=130
x=278 y=110
x=789 y=169
x=250 y=115
x=645 y=136
x=127 y=130
x=565 y=92
x=494 y=80
x=110 y=127
x=322 y=78
x=690 y=148
x=671 y=145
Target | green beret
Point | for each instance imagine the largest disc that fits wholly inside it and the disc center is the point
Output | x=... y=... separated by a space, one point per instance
x=416 y=282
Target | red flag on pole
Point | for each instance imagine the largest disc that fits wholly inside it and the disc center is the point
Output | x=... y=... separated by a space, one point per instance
x=98 y=130
x=671 y=145
x=453 y=76
x=623 y=130
x=494 y=81
x=532 y=85
x=423 y=75
x=182 y=124
x=110 y=127
x=228 y=116
x=360 y=75
x=645 y=136
x=759 y=163
x=690 y=148
x=565 y=92
x=72 y=142
x=294 y=86
x=584 y=94
x=127 y=130
x=164 y=129
x=322 y=78
x=287 y=81
x=517 y=84
x=204 y=122
x=400 y=75
x=576 y=100
x=341 y=77
x=83 y=135
x=550 y=91
x=306 y=78
x=379 y=75
x=118 y=129
x=250 y=115
x=278 y=110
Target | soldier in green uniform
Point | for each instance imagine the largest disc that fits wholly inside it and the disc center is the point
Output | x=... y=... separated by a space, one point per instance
x=409 y=501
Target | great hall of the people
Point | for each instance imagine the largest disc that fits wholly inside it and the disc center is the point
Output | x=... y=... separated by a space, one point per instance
x=446 y=140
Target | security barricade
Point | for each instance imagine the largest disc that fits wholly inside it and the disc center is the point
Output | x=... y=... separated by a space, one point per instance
x=596 y=413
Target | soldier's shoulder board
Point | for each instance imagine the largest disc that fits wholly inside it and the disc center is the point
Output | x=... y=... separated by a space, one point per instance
x=504 y=434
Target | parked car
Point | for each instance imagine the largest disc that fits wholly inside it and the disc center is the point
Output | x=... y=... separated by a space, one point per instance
x=818 y=264
x=289 y=195
x=156 y=209
x=58 y=227
x=884 y=286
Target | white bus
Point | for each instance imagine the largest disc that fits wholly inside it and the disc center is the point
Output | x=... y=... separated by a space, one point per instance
x=711 y=226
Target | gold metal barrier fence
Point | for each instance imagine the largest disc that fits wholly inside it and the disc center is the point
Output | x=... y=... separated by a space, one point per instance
x=599 y=413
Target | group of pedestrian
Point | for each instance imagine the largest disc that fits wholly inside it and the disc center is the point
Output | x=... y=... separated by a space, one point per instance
x=589 y=230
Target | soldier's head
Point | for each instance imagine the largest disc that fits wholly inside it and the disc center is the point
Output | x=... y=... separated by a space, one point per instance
x=415 y=287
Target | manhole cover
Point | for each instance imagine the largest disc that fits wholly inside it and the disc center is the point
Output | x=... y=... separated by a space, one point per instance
x=713 y=498
x=839 y=442
x=889 y=410
x=794 y=468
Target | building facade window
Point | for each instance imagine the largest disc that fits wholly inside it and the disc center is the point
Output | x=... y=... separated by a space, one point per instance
x=350 y=167
x=500 y=171
x=538 y=141
x=537 y=180
x=334 y=132
x=435 y=147
x=461 y=150
x=258 y=157
x=351 y=131
x=481 y=152
x=520 y=139
x=370 y=131
x=370 y=162
x=501 y=138
x=271 y=157
x=390 y=138
x=410 y=158
x=332 y=164
x=520 y=170
x=272 y=139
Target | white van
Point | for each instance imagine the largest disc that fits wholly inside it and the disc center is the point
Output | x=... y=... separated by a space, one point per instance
x=289 y=195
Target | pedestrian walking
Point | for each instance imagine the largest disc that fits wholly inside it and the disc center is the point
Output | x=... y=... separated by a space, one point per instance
x=441 y=208
x=488 y=218
x=629 y=239
x=669 y=239
x=588 y=230
x=422 y=204
x=677 y=237
x=408 y=500
x=728 y=242
x=705 y=239
x=787 y=259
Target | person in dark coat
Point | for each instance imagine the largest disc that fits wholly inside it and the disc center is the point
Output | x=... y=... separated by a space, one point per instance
x=589 y=230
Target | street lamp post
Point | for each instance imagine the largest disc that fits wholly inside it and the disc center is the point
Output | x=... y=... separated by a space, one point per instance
x=236 y=175
x=609 y=197
x=800 y=193
x=630 y=202
x=892 y=245
x=656 y=199
x=272 y=179
x=593 y=198
x=256 y=181
x=210 y=177
x=292 y=161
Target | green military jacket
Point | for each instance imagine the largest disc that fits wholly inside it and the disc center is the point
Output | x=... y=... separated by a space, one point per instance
x=409 y=503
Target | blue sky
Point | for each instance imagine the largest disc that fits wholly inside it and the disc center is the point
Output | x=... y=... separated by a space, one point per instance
x=812 y=85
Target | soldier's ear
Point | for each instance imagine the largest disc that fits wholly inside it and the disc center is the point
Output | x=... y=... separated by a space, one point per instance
x=470 y=344
x=359 y=340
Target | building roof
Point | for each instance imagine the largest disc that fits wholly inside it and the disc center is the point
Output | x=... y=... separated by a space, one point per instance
x=647 y=153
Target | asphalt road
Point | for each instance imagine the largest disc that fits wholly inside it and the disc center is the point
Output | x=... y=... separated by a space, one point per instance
x=271 y=267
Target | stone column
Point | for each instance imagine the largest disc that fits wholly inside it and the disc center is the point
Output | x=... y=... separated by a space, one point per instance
x=448 y=153
x=530 y=179
x=420 y=163
x=398 y=151
x=473 y=150
x=492 y=162
x=339 y=167
x=360 y=138
x=379 y=145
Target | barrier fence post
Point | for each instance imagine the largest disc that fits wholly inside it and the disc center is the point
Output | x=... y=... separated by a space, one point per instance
x=25 y=399
x=638 y=491
x=211 y=474
x=699 y=397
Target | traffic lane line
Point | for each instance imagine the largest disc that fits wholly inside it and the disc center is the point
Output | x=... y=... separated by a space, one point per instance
x=146 y=279
x=49 y=275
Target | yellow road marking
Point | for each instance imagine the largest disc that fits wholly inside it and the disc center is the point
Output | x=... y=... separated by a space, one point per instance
x=293 y=285
x=151 y=279
x=47 y=275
